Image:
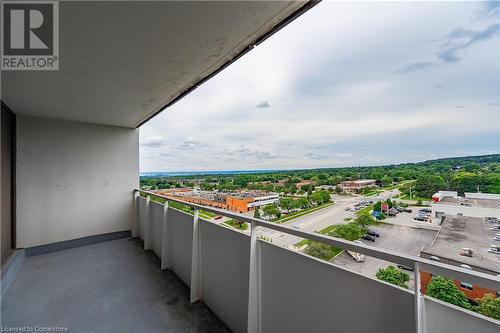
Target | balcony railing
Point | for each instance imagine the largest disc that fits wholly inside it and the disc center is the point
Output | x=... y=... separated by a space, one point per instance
x=255 y=286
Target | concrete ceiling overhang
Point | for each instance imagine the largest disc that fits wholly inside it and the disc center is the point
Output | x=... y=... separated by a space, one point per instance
x=123 y=62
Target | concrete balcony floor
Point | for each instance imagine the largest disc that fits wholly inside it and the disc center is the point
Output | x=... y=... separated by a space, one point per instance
x=113 y=286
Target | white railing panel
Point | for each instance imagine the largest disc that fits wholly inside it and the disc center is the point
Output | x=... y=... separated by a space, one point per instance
x=142 y=217
x=301 y=294
x=156 y=216
x=180 y=243
x=225 y=263
x=444 y=317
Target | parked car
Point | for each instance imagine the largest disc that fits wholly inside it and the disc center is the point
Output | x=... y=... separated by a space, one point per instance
x=420 y=217
x=407 y=210
x=347 y=208
x=393 y=212
x=369 y=238
x=373 y=233
x=296 y=226
x=218 y=217
x=406 y=268
x=491 y=219
x=399 y=209
x=425 y=210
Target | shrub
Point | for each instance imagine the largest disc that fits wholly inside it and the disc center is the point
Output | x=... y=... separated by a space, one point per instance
x=488 y=305
x=445 y=290
x=393 y=275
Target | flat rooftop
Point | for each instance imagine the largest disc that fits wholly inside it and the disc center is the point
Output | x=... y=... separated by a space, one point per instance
x=458 y=232
x=486 y=203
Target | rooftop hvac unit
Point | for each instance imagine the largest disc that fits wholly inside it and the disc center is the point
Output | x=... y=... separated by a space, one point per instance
x=467 y=252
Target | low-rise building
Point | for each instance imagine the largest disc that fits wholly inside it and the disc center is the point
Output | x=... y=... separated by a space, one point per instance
x=240 y=202
x=355 y=186
x=471 y=204
x=467 y=242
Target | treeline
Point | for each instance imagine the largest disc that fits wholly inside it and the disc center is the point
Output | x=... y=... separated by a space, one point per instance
x=463 y=174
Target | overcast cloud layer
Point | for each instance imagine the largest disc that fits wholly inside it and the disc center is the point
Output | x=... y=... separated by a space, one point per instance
x=346 y=84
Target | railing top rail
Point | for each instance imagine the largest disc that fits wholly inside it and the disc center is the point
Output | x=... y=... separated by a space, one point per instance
x=437 y=268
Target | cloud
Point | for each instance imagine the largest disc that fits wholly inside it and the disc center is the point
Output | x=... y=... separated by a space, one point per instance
x=413 y=67
x=490 y=9
x=315 y=156
x=460 y=106
x=188 y=144
x=460 y=39
x=339 y=102
x=153 y=142
x=263 y=105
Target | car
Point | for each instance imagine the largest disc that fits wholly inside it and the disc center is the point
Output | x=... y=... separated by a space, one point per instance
x=407 y=210
x=425 y=210
x=218 y=217
x=491 y=219
x=406 y=268
x=420 y=217
x=369 y=238
x=296 y=226
x=399 y=209
x=347 y=208
x=353 y=209
x=373 y=233
x=393 y=212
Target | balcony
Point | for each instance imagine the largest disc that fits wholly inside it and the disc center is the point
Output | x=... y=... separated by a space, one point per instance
x=71 y=164
x=182 y=273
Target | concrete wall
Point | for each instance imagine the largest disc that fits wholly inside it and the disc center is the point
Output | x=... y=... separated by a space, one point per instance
x=73 y=180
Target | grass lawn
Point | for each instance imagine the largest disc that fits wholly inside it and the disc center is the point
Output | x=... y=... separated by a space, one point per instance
x=364 y=211
x=326 y=230
x=240 y=226
x=301 y=213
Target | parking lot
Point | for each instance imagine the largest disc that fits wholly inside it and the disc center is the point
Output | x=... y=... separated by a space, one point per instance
x=406 y=219
x=396 y=238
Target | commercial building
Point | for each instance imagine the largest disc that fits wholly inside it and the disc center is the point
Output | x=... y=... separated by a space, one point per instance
x=466 y=242
x=242 y=202
x=471 y=204
x=355 y=186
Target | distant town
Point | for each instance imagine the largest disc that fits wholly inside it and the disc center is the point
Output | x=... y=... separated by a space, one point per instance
x=445 y=210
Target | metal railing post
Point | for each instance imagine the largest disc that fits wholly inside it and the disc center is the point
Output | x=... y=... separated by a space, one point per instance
x=254 y=324
x=147 y=224
x=165 y=260
x=135 y=224
x=420 y=325
x=195 y=293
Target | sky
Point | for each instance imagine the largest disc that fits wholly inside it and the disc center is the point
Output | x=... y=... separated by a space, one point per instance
x=345 y=84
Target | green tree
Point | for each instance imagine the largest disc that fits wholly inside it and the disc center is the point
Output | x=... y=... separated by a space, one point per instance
x=386 y=181
x=256 y=213
x=466 y=182
x=286 y=203
x=271 y=211
x=393 y=275
x=364 y=221
x=301 y=203
x=377 y=207
x=350 y=231
x=445 y=290
x=488 y=305
x=429 y=184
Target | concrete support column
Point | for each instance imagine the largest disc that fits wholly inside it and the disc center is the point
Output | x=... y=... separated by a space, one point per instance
x=254 y=288
x=147 y=224
x=165 y=260
x=196 y=261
